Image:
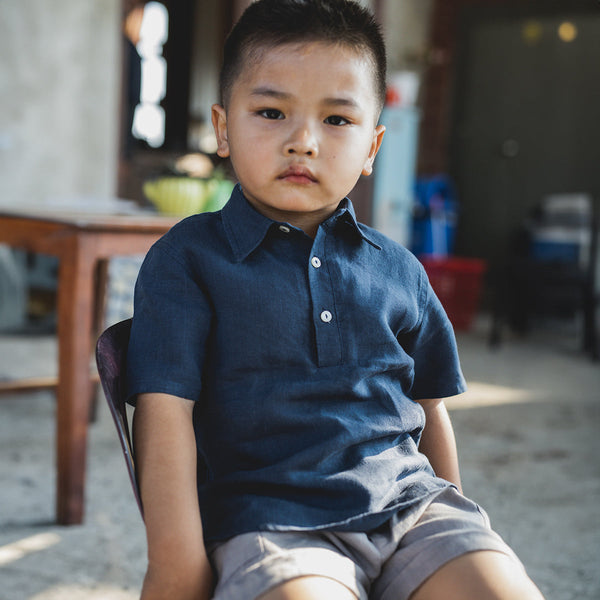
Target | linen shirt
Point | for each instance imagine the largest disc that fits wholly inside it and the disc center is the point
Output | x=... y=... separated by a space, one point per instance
x=305 y=358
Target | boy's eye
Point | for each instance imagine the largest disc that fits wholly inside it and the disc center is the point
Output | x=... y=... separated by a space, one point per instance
x=271 y=113
x=336 y=120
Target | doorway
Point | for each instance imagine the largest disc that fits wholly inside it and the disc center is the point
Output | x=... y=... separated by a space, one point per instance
x=527 y=117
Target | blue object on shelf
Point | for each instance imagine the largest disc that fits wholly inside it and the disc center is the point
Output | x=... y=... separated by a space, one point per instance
x=435 y=216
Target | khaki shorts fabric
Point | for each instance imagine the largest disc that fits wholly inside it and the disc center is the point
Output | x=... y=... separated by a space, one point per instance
x=388 y=563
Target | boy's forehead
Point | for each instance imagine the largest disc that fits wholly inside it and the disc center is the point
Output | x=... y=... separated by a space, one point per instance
x=261 y=54
x=262 y=59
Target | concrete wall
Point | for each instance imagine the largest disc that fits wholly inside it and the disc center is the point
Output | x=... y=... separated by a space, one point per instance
x=406 y=29
x=59 y=88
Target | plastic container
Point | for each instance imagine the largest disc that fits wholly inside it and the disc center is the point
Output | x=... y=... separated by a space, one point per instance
x=560 y=231
x=457 y=282
x=560 y=244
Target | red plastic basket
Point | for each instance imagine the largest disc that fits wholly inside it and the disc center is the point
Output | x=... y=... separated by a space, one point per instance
x=457 y=282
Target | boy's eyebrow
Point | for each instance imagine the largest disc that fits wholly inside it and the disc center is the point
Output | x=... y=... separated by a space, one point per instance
x=279 y=95
x=341 y=101
x=270 y=92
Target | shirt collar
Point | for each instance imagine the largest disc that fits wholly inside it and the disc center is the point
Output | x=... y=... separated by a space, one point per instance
x=246 y=228
x=345 y=214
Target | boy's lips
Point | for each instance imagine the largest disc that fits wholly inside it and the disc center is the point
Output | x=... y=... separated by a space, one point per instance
x=298 y=174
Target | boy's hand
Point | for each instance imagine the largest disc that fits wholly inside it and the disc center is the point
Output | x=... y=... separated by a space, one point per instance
x=166 y=455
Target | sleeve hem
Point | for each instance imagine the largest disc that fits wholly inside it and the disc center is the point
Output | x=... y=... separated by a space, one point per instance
x=441 y=393
x=190 y=391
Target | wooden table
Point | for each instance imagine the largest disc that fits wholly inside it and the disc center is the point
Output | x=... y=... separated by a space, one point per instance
x=83 y=244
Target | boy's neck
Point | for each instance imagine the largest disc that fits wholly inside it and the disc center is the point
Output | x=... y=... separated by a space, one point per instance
x=306 y=221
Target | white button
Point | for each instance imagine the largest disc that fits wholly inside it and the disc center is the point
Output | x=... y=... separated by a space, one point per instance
x=284 y=228
x=326 y=316
x=315 y=262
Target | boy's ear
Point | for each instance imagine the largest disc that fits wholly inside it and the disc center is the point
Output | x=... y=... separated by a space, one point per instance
x=219 y=121
x=376 y=144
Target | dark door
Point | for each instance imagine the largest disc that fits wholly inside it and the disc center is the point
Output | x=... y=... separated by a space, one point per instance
x=527 y=119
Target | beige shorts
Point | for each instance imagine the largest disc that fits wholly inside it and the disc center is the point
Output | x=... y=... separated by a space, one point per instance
x=388 y=563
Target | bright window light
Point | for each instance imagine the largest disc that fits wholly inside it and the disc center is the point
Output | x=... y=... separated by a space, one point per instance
x=149 y=117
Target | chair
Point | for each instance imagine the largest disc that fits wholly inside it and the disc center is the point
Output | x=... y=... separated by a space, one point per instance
x=111 y=358
x=529 y=285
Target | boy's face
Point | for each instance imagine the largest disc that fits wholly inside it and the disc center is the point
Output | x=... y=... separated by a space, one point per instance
x=300 y=128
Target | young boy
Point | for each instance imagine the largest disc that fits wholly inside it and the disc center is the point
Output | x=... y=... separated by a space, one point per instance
x=288 y=364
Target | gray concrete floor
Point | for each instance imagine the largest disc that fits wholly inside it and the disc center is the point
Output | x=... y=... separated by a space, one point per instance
x=528 y=441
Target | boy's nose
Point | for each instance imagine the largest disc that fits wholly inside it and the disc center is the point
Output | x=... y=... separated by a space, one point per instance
x=302 y=142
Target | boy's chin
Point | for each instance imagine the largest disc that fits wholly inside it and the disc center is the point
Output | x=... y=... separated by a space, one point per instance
x=303 y=205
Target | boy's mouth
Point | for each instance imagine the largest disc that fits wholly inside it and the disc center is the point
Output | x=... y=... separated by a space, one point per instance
x=298 y=174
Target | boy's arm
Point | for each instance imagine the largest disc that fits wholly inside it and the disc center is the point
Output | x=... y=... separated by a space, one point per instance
x=438 y=443
x=165 y=451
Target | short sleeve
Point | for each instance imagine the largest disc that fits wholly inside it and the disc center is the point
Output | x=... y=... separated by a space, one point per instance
x=171 y=322
x=437 y=371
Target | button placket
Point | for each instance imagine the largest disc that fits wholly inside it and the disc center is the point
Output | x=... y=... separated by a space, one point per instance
x=328 y=342
x=325 y=315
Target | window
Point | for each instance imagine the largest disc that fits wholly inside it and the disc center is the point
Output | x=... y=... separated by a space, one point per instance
x=149 y=116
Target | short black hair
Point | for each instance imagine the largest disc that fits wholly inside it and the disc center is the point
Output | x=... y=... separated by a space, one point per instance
x=270 y=23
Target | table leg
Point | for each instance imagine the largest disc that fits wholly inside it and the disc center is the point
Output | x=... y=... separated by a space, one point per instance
x=75 y=302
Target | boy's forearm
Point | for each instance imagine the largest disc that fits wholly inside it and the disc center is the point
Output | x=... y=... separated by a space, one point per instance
x=197 y=585
x=438 y=442
x=165 y=451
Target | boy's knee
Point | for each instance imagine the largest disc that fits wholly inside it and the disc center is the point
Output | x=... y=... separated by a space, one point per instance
x=486 y=575
x=309 y=588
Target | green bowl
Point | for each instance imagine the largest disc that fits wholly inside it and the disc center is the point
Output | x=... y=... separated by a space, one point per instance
x=183 y=196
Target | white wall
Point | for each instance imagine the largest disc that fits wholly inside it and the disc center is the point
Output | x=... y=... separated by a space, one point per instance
x=59 y=87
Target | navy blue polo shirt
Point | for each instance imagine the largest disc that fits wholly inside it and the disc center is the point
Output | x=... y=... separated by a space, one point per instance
x=305 y=358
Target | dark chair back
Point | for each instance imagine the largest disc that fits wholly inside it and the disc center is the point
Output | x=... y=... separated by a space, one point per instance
x=111 y=358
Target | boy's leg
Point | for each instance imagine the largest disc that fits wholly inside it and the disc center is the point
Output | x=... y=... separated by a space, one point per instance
x=299 y=565
x=309 y=588
x=451 y=552
x=485 y=575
